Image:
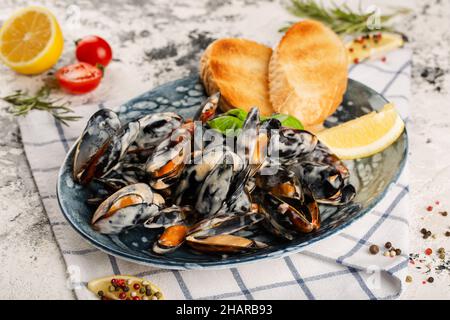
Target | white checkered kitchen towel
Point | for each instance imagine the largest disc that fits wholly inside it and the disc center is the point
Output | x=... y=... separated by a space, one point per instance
x=336 y=268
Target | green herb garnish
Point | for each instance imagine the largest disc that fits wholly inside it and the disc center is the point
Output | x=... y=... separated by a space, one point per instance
x=22 y=103
x=341 y=18
x=286 y=120
x=230 y=122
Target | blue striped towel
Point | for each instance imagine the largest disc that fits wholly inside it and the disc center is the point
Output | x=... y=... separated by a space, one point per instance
x=338 y=267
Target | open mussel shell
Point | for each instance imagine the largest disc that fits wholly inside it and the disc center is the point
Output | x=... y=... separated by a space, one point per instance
x=213 y=191
x=322 y=154
x=273 y=220
x=288 y=144
x=208 y=108
x=246 y=142
x=281 y=182
x=196 y=172
x=223 y=243
x=171 y=239
x=168 y=217
x=304 y=216
x=93 y=141
x=301 y=215
x=155 y=128
x=125 y=208
x=325 y=182
x=125 y=218
x=116 y=149
x=169 y=158
x=224 y=224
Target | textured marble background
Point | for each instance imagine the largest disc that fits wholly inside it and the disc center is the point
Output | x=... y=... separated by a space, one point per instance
x=158 y=41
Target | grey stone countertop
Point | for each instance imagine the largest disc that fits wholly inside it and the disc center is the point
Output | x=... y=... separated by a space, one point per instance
x=145 y=41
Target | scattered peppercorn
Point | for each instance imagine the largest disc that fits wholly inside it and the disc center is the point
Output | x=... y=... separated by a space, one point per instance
x=423 y=231
x=443 y=213
x=388 y=245
x=430 y=279
x=398 y=252
x=442 y=256
x=447 y=233
x=122 y=296
x=386 y=254
x=100 y=293
x=441 y=250
x=374 y=249
x=392 y=253
x=409 y=279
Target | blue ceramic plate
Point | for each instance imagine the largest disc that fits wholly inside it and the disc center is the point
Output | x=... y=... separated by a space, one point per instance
x=370 y=176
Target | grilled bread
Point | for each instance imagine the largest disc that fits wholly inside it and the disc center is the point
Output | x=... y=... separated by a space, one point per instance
x=238 y=68
x=308 y=73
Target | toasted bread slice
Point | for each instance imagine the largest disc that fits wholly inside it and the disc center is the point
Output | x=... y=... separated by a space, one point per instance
x=308 y=73
x=238 y=68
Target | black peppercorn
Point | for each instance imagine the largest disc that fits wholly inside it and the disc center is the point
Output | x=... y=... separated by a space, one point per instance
x=374 y=249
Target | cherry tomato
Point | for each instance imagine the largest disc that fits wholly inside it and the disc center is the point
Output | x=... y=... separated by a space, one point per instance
x=79 y=78
x=94 y=50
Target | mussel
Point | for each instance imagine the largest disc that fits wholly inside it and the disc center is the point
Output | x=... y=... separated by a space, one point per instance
x=155 y=128
x=93 y=142
x=325 y=182
x=208 y=108
x=215 y=235
x=126 y=208
x=168 y=160
x=224 y=243
x=171 y=239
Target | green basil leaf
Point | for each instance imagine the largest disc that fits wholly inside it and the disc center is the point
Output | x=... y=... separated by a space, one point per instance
x=230 y=122
x=227 y=125
x=286 y=121
x=238 y=113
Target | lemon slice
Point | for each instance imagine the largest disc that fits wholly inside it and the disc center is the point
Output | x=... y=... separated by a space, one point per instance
x=364 y=136
x=31 y=40
x=122 y=287
x=372 y=45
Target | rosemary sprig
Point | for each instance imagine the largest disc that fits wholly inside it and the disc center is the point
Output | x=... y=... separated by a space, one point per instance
x=342 y=19
x=22 y=103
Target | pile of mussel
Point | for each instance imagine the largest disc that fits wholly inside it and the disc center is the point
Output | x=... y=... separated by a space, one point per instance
x=204 y=192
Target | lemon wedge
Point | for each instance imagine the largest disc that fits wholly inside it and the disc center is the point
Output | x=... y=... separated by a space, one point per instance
x=364 y=136
x=372 y=46
x=31 y=40
x=112 y=288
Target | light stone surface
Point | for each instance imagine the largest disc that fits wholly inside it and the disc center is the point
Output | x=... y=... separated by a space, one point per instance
x=158 y=41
